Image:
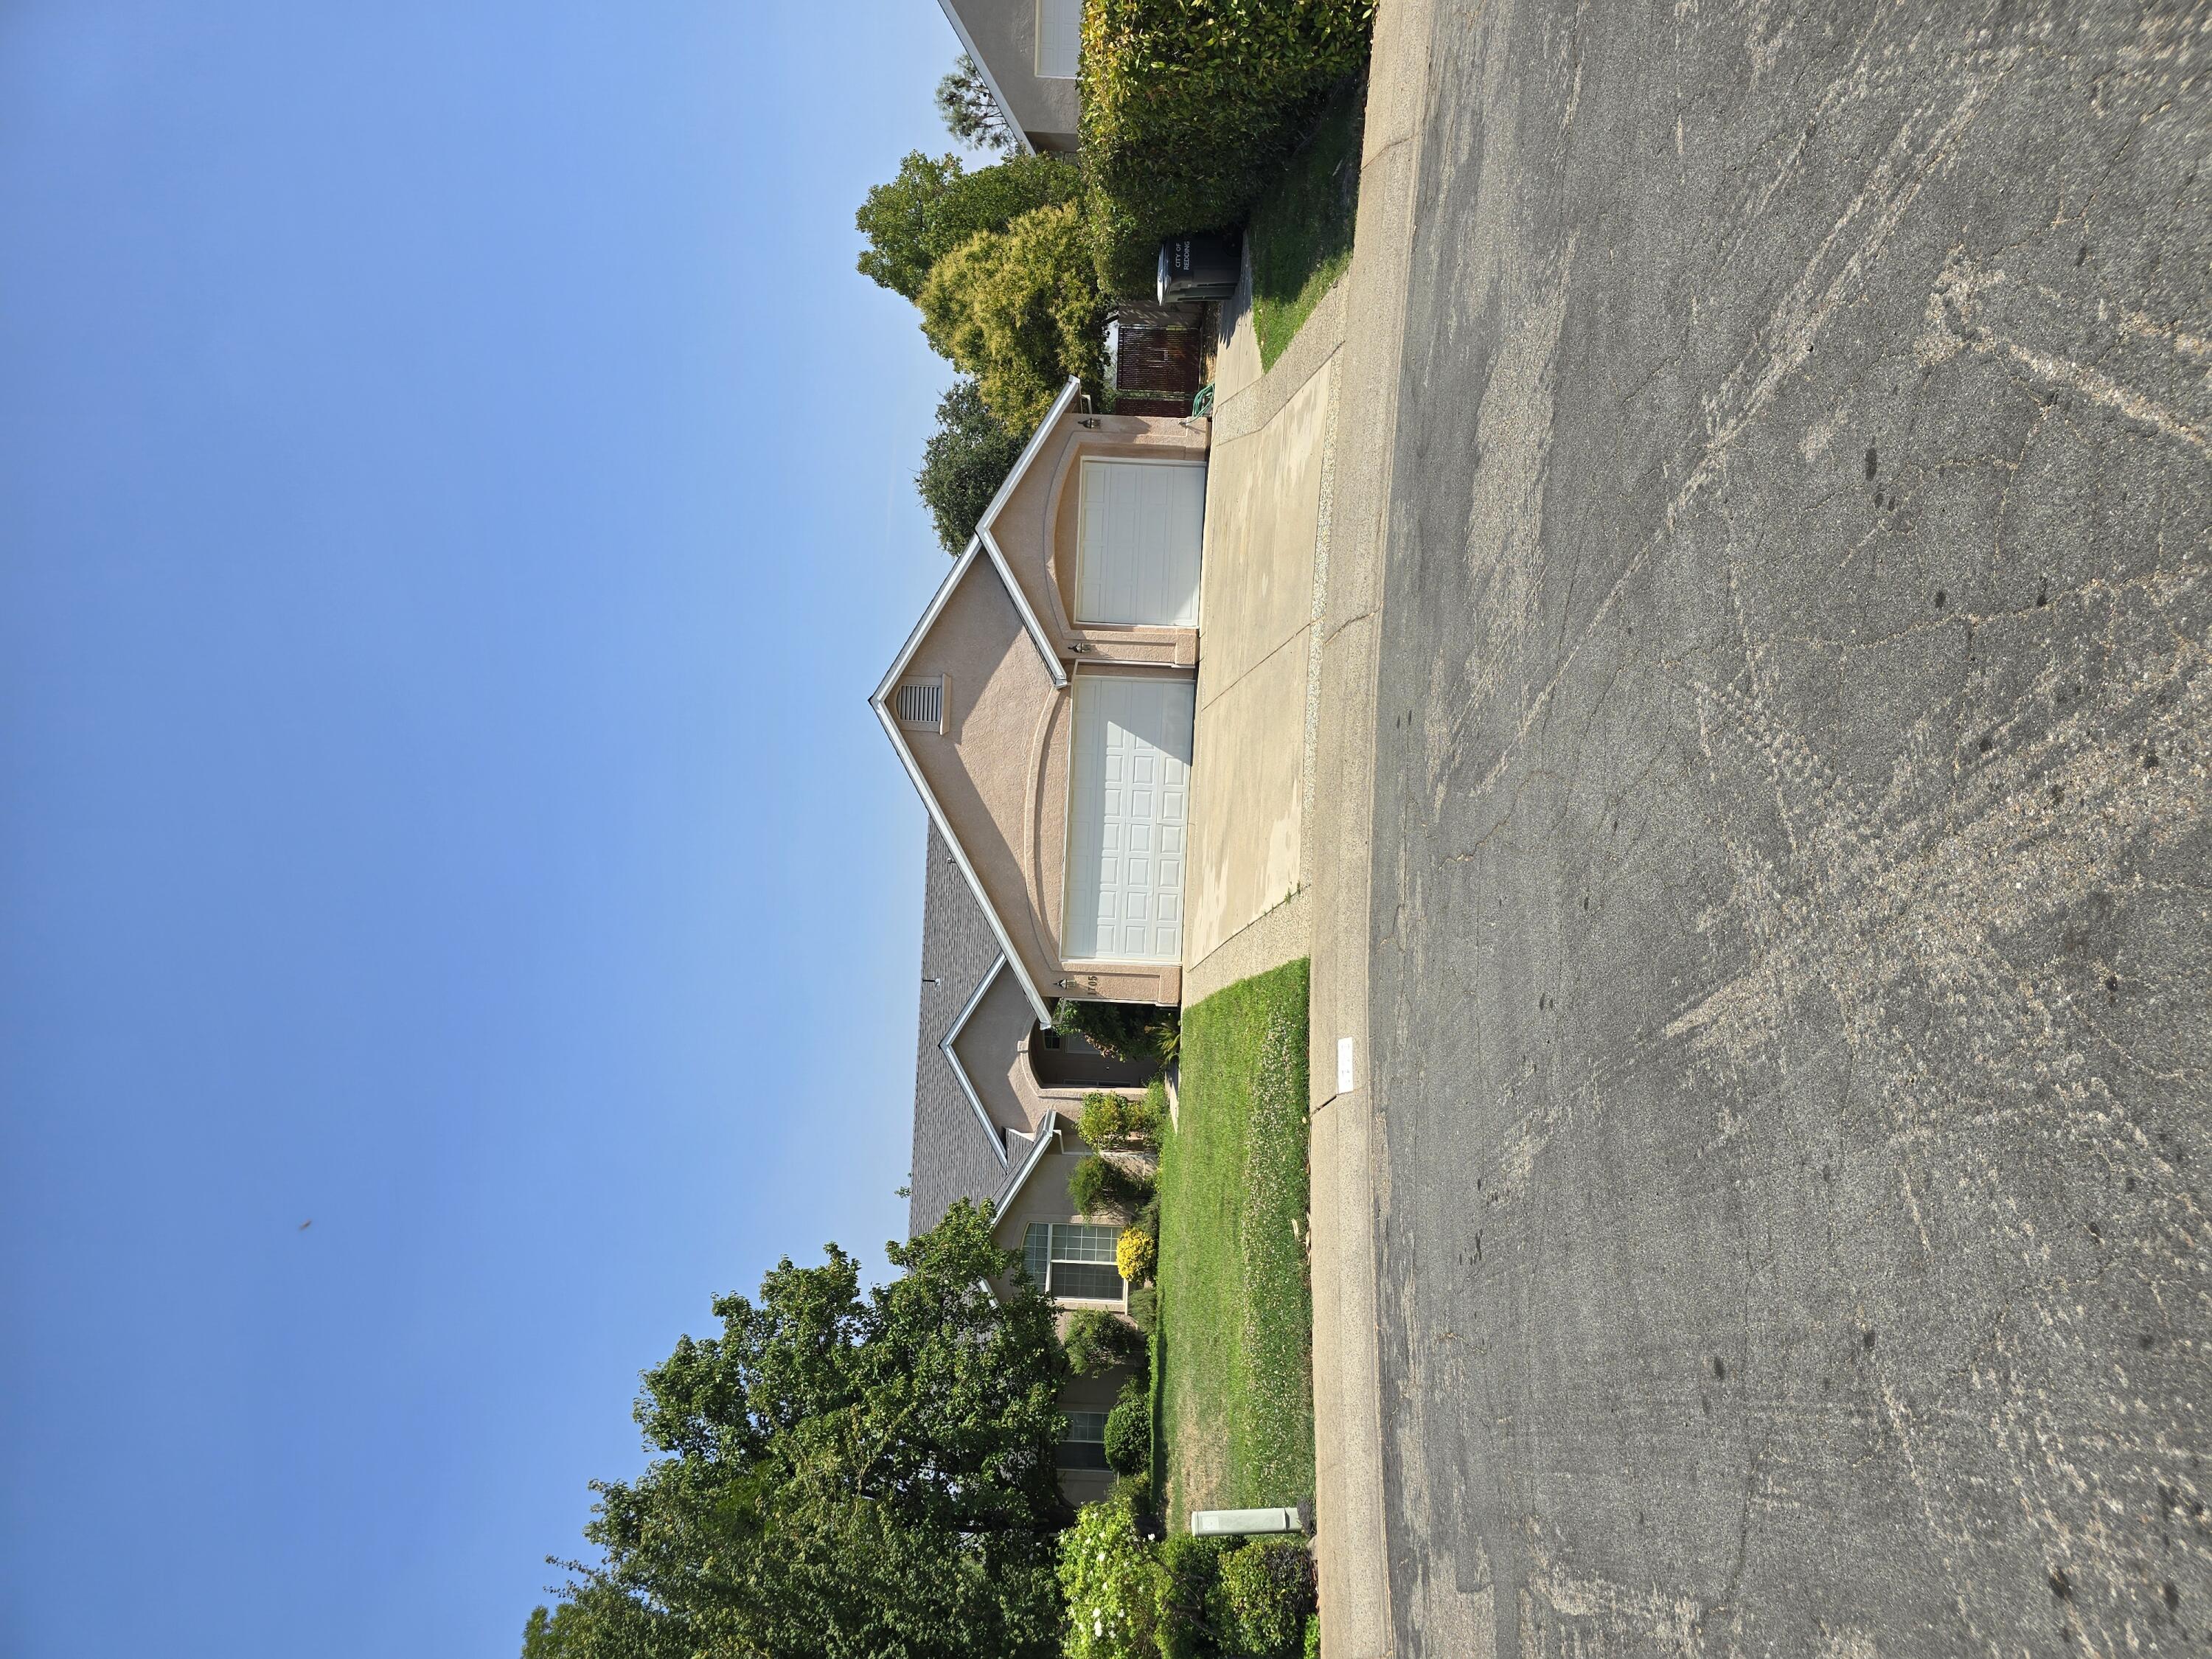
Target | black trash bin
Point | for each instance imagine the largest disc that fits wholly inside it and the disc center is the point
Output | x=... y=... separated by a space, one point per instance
x=1200 y=267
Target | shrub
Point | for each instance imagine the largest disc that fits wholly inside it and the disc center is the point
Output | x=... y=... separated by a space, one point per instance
x=1112 y=1584
x=1189 y=1579
x=1135 y=1254
x=1129 y=1431
x=1098 y=1341
x=934 y=205
x=1313 y=1636
x=1019 y=309
x=1266 y=1594
x=1115 y=1120
x=1136 y=1491
x=1144 y=1307
x=963 y=464
x=1101 y=1186
x=1189 y=107
x=1120 y=1030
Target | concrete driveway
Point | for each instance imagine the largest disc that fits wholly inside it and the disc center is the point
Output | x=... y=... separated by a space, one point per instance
x=1259 y=664
x=1790 y=988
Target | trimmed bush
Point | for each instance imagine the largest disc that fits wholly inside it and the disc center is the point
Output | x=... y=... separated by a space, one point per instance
x=1188 y=1585
x=1189 y=107
x=1266 y=1594
x=1101 y=1186
x=1136 y=1491
x=934 y=205
x=1313 y=1636
x=1117 y=1121
x=1135 y=1254
x=1112 y=1584
x=1019 y=309
x=1120 y=1030
x=1129 y=1431
x=963 y=464
x=1098 y=1341
x=1144 y=1307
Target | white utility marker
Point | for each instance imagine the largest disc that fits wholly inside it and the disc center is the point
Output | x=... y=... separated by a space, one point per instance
x=1236 y=1523
x=1344 y=1065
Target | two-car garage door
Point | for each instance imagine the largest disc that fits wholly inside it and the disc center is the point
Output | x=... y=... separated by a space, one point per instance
x=1128 y=795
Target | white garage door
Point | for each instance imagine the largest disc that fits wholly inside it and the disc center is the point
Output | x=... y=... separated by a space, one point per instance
x=1142 y=523
x=1128 y=817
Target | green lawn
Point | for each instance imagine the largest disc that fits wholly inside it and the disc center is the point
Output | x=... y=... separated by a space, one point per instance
x=1232 y=1377
x=1301 y=230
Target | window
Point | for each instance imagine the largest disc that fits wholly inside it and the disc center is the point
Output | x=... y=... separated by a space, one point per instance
x=1059 y=39
x=919 y=704
x=1084 y=1446
x=1072 y=1261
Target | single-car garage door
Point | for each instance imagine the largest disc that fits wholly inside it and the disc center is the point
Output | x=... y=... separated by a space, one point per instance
x=1141 y=526
x=1128 y=817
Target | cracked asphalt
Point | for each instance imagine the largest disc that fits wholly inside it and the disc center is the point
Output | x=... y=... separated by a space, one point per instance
x=1791 y=992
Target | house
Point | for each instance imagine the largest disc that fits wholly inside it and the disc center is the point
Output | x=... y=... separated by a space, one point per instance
x=1027 y=49
x=995 y=1102
x=1044 y=707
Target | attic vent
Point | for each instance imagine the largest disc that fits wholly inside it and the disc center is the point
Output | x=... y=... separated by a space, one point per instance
x=920 y=704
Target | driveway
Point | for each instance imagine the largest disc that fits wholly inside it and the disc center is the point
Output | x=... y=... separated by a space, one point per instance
x=1790 y=995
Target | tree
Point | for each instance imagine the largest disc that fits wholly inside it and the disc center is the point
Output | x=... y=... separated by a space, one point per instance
x=971 y=110
x=1019 y=310
x=840 y=1475
x=963 y=464
x=934 y=204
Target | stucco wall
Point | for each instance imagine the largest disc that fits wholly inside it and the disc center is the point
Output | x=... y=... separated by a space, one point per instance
x=990 y=1047
x=1004 y=33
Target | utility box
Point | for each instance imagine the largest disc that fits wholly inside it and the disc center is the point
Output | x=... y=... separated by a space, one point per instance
x=1202 y=266
x=1155 y=358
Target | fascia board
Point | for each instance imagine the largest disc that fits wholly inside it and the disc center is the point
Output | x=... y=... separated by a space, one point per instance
x=944 y=1047
x=1048 y=1137
x=968 y=45
x=935 y=608
x=889 y=723
x=1060 y=405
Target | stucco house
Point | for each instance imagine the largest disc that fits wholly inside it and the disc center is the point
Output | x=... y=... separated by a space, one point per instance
x=1044 y=707
x=1027 y=49
x=995 y=1103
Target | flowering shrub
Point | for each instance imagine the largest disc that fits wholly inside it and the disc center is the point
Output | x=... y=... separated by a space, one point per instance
x=1136 y=1254
x=1111 y=1582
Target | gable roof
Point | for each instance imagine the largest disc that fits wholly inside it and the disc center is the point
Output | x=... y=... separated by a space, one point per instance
x=981 y=546
x=956 y=1153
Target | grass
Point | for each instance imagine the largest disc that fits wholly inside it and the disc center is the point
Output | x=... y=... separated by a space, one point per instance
x=1301 y=230
x=1232 y=1351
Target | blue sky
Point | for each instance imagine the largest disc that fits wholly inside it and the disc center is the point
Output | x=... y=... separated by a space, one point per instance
x=454 y=502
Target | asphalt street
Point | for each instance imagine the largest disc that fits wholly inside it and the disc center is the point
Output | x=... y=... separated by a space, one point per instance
x=1792 y=989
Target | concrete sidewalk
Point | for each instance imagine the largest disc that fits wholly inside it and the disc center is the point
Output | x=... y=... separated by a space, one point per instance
x=1353 y=1541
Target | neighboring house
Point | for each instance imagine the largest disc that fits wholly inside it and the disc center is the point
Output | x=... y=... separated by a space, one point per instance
x=1027 y=49
x=1044 y=707
x=995 y=1100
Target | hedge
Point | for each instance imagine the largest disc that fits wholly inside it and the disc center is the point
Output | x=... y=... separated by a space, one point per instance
x=1189 y=107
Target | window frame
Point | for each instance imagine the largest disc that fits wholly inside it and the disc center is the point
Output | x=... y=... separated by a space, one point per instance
x=1053 y=1257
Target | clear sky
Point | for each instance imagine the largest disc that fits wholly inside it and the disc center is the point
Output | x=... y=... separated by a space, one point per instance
x=454 y=500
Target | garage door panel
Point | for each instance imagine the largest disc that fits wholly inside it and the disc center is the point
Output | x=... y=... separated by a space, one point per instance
x=1126 y=844
x=1141 y=526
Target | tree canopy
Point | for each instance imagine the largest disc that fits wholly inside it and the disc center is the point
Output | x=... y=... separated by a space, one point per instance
x=1019 y=310
x=963 y=464
x=971 y=109
x=839 y=1474
x=934 y=205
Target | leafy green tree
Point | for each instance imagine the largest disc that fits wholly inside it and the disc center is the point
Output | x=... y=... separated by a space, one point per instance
x=970 y=110
x=934 y=205
x=839 y=1474
x=1019 y=309
x=963 y=464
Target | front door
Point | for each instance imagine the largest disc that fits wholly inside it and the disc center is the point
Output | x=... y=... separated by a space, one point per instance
x=1128 y=817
